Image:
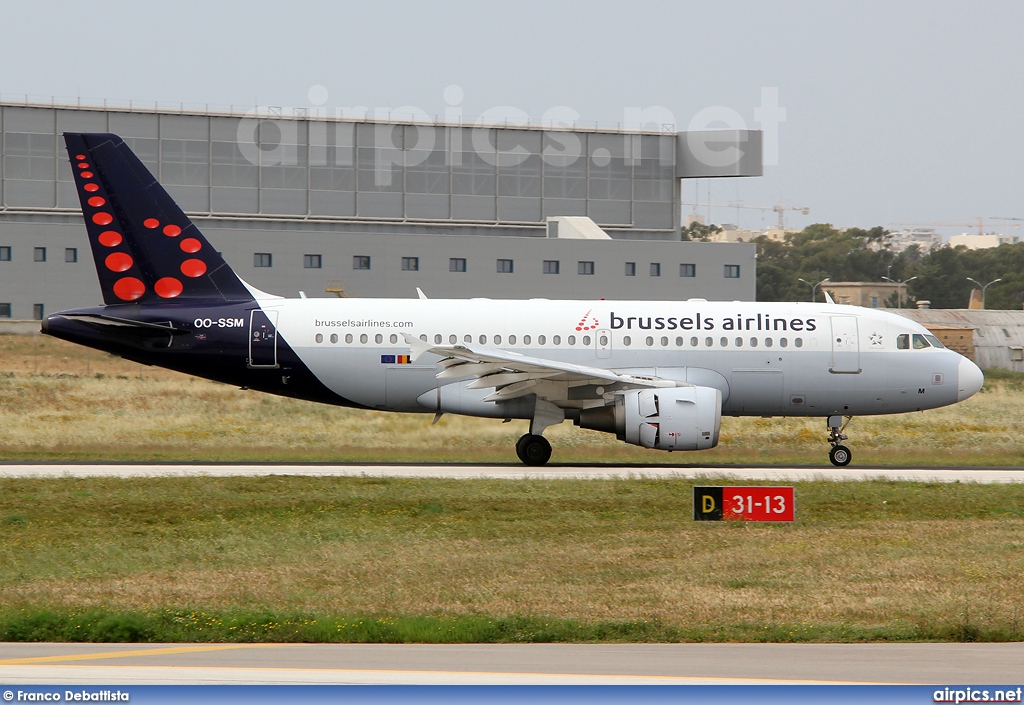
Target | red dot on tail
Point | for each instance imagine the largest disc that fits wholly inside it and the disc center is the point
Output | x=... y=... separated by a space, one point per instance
x=83 y=165
x=191 y=245
x=151 y=223
x=118 y=262
x=110 y=238
x=193 y=268
x=578 y=328
x=97 y=201
x=103 y=218
x=91 y=188
x=167 y=288
x=172 y=230
x=79 y=156
x=87 y=174
x=129 y=288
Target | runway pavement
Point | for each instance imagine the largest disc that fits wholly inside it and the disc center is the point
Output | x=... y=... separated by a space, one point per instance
x=515 y=471
x=499 y=664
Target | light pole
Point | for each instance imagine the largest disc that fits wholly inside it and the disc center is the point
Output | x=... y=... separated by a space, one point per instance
x=814 y=287
x=984 y=287
x=900 y=285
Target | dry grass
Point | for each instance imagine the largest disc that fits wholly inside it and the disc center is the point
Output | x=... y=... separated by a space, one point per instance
x=61 y=401
x=899 y=560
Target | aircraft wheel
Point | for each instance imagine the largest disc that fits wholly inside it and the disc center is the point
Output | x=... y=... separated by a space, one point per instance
x=533 y=450
x=840 y=456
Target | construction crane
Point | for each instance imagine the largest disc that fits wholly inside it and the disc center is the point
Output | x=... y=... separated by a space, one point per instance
x=978 y=223
x=780 y=209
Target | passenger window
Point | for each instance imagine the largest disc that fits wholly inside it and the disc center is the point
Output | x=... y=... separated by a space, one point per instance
x=798 y=342
x=423 y=337
x=556 y=340
x=739 y=342
x=586 y=340
x=753 y=342
x=709 y=341
x=497 y=340
x=394 y=338
x=363 y=338
x=767 y=342
x=571 y=340
x=664 y=342
x=783 y=342
x=378 y=338
x=511 y=340
x=319 y=337
x=903 y=342
x=483 y=340
x=603 y=341
x=453 y=339
x=936 y=343
x=627 y=341
x=725 y=342
x=919 y=342
x=541 y=339
x=334 y=337
x=437 y=339
x=679 y=342
x=526 y=340
x=649 y=341
x=348 y=339
x=693 y=342
x=467 y=339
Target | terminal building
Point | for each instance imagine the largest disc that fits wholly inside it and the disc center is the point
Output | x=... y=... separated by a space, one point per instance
x=336 y=206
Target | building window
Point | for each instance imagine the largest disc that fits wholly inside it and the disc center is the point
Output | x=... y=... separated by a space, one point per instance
x=505 y=266
x=732 y=271
x=5 y=254
x=585 y=268
x=655 y=269
x=410 y=264
x=39 y=254
x=687 y=270
x=37 y=311
x=360 y=262
x=551 y=266
x=262 y=259
x=312 y=261
x=457 y=264
x=70 y=254
x=5 y=310
x=874 y=302
x=630 y=269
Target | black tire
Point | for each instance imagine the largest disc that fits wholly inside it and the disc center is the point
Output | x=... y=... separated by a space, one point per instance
x=840 y=456
x=533 y=450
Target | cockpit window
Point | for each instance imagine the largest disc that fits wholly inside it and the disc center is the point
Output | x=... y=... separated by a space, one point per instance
x=903 y=342
x=936 y=343
x=919 y=342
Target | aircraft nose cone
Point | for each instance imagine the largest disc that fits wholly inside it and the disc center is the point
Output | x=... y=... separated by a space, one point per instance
x=970 y=379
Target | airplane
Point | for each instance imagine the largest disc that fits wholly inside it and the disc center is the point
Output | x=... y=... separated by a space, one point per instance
x=657 y=374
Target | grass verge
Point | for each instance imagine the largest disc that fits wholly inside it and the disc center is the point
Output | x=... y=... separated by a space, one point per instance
x=400 y=560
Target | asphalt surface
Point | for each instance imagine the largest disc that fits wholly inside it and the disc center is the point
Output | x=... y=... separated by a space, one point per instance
x=513 y=472
x=499 y=664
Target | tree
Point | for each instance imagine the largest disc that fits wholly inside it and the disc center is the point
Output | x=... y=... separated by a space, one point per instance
x=700 y=232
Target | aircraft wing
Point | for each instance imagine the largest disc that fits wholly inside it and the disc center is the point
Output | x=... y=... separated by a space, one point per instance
x=512 y=374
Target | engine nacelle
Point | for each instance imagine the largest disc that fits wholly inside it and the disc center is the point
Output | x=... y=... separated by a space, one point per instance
x=672 y=418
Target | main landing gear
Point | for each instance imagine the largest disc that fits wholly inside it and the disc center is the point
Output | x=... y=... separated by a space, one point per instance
x=533 y=449
x=840 y=454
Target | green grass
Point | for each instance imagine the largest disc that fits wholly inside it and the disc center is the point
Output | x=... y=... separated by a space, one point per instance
x=402 y=560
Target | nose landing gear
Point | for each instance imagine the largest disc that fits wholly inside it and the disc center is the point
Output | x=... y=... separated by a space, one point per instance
x=839 y=455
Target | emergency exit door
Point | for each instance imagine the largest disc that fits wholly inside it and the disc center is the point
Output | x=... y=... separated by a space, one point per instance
x=262 y=338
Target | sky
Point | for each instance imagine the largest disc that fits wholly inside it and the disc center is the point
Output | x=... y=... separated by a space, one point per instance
x=894 y=111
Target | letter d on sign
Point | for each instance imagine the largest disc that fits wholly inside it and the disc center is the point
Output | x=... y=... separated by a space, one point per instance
x=707 y=504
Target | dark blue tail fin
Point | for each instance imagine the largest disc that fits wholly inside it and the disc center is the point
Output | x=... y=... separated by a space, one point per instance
x=146 y=249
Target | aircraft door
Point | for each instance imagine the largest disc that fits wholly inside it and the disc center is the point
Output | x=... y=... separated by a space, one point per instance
x=262 y=338
x=845 y=346
x=603 y=343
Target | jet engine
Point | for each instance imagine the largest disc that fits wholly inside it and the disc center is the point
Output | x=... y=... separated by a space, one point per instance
x=673 y=418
